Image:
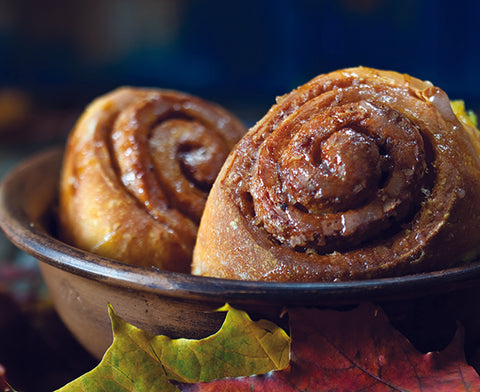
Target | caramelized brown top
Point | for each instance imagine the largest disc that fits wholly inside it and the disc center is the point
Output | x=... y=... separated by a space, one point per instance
x=338 y=178
x=350 y=174
x=168 y=148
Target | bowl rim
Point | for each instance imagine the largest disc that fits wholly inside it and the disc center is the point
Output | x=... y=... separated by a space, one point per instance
x=31 y=238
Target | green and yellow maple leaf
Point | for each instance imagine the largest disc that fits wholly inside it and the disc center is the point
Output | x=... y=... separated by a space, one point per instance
x=466 y=116
x=139 y=361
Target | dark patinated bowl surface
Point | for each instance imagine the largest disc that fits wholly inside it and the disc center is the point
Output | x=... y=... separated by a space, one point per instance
x=81 y=284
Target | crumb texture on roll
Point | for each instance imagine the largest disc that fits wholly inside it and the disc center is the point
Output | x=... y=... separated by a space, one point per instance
x=136 y=173
x=359 y=173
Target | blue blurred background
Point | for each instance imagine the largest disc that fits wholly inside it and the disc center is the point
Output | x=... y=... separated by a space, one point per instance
x=56 y=56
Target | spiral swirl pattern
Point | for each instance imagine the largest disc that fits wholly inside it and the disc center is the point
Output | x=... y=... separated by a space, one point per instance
x=144 y=161
x=356 y=174
x=346 y=175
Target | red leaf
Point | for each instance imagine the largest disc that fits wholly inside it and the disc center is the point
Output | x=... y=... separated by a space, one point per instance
x=357 y=350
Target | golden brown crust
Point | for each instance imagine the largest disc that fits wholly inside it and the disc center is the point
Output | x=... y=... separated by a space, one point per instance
x=359 y=173
x=136 y=173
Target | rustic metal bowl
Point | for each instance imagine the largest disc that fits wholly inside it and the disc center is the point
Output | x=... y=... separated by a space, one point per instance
x=81 y=284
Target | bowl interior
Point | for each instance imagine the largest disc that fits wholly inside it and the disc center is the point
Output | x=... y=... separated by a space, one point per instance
x=27 y=216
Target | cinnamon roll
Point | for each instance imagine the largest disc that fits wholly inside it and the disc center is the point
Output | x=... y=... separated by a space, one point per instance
x=359 y=173
x=137 y=170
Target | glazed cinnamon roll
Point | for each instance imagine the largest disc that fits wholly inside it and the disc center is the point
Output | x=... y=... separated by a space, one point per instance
x=137 y=169
x=359 y=173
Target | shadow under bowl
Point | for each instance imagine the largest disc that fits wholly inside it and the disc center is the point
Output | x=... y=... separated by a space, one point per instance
x=81 y=284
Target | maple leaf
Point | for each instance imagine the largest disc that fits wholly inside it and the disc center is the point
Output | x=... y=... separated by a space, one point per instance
x=139 y=361
x=356 y=350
